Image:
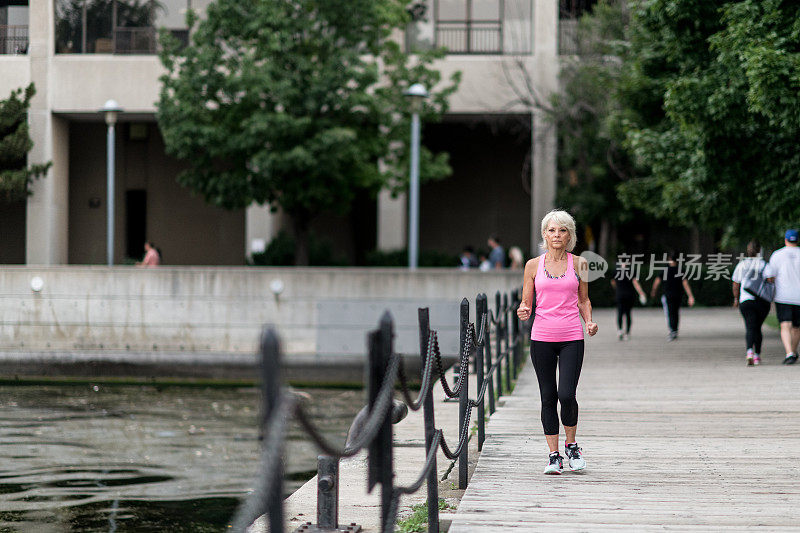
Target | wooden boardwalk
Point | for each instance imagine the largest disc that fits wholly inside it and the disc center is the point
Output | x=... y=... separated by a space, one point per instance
x=677 y=436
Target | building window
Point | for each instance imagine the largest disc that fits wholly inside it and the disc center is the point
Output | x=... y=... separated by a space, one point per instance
x=119 y=26
x=484 y=26
x=13 y=27
x=573 y=9
x=569 y=13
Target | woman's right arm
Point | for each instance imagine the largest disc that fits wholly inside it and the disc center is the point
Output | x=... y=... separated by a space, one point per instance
x=654 y=288
x=524 y=309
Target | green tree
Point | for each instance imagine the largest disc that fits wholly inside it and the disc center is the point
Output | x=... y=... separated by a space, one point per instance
x=295 y=103
x=712 y=93
x=15 y=143
x=591 y=159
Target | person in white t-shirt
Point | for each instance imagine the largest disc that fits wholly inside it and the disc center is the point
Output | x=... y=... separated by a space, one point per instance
x=754 y=309
x=785 y=269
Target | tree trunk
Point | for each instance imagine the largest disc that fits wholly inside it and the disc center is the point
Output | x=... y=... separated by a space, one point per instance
x=605 y=230
x=695 y=240
x=300 y=229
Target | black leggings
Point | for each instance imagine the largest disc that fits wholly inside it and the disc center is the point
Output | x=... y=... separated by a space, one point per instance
x=672 y=306
x=754 y=313
x=624 y=306
x=568 y=356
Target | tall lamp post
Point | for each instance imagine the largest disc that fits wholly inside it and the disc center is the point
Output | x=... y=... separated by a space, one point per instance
x=417 y=95
x=111 y=110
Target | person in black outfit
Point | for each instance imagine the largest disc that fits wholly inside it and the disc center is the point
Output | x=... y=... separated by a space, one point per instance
x=673 y=281
x=625 y=286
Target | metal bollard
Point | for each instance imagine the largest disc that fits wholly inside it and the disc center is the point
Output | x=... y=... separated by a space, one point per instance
x=516 y=336
x=463 y=400
x=498 y=347
x=271 y=382
x=480 y=302
x=430 y=424
x=487 y=350
x=509 y=359
x=327 y=492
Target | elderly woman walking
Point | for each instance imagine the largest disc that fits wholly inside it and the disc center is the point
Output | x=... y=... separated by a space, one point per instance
x=558 y=280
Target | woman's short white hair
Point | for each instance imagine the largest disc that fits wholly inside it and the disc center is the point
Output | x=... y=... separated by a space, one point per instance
x=563 y=219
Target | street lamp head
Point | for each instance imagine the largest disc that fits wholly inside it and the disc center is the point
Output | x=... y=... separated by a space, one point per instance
x=417 y=94
x=111 y=110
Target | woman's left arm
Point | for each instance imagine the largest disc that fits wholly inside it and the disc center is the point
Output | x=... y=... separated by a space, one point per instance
x=584 y=305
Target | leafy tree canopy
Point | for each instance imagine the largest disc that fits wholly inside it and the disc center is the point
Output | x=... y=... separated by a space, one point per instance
x=15 y=143
x=592 y=161
x=294 y=103
x=711 y=92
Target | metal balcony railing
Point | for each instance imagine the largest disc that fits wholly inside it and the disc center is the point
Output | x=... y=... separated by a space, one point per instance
x=13 y=39
x=470 y=37
x=135 y=40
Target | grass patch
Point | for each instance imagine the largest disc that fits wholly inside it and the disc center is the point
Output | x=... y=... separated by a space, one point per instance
x=772 y=321
x=418 y=521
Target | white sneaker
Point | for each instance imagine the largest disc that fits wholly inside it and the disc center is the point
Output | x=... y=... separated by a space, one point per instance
x=556 y=464
x=620 y=334
x=576 y=460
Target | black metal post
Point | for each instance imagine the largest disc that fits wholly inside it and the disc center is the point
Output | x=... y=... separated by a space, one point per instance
x=327 y=492
x=515 y=334
x=498 y=343
x=463 y=398
x=271 y=380
x=430 y=424
x=480 y=312
x=381 y=469
x=509 y=355
x=487 y=348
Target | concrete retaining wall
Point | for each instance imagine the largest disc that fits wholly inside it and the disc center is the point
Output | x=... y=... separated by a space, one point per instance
x=221 y=310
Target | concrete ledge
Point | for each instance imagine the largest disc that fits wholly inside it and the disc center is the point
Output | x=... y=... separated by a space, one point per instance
x=337 y=370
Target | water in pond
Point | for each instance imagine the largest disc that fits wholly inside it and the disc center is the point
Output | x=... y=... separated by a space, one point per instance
x=141 y=458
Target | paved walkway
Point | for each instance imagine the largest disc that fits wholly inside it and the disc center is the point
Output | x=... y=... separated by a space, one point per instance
x=678 y=436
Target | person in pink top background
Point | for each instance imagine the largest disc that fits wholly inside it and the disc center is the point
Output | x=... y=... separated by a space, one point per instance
x=557 y=279
x=151 y=256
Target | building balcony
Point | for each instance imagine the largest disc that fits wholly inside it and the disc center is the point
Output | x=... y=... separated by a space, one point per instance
x=13 y=39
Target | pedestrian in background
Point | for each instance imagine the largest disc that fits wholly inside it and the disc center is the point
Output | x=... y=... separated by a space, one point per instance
x=516 y=257
x=497 y=255
x=468 y=258
x=753 y=308
x=484 y=265
x=784 y=264
x=559 y=281
x=625 y=286
x=151 y=256
x=673 y=281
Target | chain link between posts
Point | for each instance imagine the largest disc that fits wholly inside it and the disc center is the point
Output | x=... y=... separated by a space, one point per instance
x=289 y=406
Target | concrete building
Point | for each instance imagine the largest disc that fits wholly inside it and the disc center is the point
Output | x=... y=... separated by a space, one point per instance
x=80 y=53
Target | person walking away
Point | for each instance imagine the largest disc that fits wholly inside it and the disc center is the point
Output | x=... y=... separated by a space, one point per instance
x=784 y=265
x=754 y=309
x=673 y=281
x=625 y=289
x=558 y=279
x=497 y=255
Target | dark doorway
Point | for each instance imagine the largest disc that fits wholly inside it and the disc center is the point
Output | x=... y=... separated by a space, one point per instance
x=12 y=231
x=135 y=222
x=365 y=229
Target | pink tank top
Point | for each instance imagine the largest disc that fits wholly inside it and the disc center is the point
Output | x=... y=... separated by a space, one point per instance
x=556 y=315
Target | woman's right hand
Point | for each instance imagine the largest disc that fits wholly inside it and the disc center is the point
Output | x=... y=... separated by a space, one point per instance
x=523 y=311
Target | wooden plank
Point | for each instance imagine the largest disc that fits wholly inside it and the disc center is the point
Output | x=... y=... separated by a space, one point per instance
x=679 y=436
